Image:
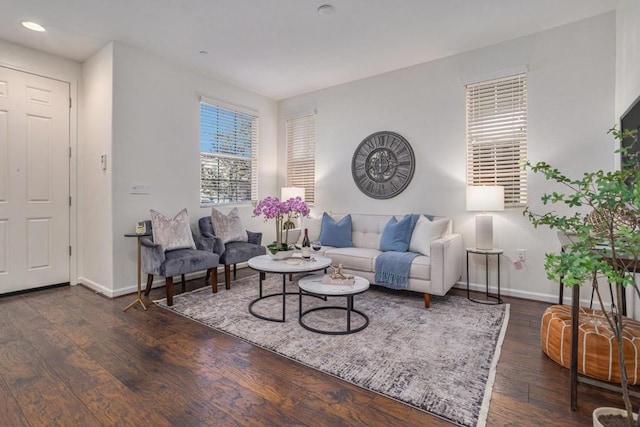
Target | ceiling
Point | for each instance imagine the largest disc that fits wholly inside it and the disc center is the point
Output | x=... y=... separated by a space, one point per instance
x=282 y=48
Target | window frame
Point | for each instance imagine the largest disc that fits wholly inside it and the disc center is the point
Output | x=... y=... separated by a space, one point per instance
x=241 y=116
x=300 y=141
x=496 y=132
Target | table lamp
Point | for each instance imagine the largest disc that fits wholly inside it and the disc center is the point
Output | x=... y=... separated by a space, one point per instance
x=485 y=198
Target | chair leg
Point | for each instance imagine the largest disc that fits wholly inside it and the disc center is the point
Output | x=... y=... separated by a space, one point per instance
x=206 y=278
x=149 y=283
x=427 y=300
x=234 y=272
x=182 y=283
x=169 y=281
x=227 y=276
x=214 y=279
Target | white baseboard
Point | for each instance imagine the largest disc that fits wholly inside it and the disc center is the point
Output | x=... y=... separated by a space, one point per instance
x=96 y=287
x=535 y=296
x=158 y=282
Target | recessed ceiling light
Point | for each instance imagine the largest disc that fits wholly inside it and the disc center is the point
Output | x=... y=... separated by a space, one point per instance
x=326 y=9
x=33 y=26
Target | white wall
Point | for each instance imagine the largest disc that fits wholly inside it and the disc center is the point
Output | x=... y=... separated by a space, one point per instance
x=571 y=72
x=156 y=142
x=37 y=62
x=627 y=54
x=95 y=257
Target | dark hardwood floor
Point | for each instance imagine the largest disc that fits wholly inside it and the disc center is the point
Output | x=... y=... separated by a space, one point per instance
x=71 y=357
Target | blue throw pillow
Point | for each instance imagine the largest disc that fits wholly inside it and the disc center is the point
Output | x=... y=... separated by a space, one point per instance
x=336 y=234
x=397 y=234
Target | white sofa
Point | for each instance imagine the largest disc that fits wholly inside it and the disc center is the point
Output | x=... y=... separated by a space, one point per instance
x=432 y=274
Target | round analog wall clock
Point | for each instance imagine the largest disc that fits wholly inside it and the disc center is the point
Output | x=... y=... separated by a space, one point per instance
x=382 y=165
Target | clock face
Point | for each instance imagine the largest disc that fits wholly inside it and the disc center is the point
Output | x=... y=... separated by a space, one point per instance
x=382 y=165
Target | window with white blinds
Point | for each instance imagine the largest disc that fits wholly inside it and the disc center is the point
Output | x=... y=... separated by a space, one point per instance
x=301 y=154
x=497 y=136
x=228 y=154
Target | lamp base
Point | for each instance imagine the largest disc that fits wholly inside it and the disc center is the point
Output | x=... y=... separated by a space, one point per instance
x=484 y=231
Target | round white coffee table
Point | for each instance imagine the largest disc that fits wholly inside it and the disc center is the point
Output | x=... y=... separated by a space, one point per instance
x=312 y=285
x=266 y=264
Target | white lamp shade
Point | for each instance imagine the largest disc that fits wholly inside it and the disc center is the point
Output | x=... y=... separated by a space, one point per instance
x=485 y=198
x=287 y=193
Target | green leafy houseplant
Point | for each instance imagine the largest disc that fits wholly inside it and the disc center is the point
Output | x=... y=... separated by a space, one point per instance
x=605 y=213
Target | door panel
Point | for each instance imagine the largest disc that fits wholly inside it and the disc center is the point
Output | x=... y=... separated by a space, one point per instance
x=34 y=181
x=4 y=156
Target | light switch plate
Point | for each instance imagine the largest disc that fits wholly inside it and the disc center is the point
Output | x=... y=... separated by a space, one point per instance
x=140 y=189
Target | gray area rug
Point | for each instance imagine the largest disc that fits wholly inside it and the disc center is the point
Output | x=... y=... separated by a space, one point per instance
x=441 y=360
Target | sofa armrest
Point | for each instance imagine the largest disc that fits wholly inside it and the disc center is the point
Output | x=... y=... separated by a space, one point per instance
x=204 y=243
x=254 y=237
x=218 y=245
x=152 y=256
x=446 y=263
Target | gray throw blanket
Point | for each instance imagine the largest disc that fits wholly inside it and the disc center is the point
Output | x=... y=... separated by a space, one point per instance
x=392 y=269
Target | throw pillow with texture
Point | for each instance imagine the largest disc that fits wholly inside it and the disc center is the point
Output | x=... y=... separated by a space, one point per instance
x=172 y=233
x=397 y=234
x=336 y=234
x=228 y=227
x=425 y=232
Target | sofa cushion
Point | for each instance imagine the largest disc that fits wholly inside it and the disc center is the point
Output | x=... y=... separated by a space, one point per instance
x=425 y=232
x=181 y=260
x=397 y=234
x=362 y=259
x=173 y=233
x=228 y=227
x=421 y=268
x=337 y=234
x=235 y=252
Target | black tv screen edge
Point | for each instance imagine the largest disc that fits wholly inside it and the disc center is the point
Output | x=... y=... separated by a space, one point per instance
x=630 y=120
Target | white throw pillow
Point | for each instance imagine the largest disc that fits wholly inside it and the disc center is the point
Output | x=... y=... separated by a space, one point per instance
x=425 y=232
x=313 y=225
x=228 y=227
x=172 y=233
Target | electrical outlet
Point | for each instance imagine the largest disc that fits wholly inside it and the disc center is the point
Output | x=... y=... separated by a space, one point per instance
x=522 y=255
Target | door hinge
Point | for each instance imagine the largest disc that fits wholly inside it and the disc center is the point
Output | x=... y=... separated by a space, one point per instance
x=69 y=200
x=69 y=250
x=69 y=152
x=70 y=102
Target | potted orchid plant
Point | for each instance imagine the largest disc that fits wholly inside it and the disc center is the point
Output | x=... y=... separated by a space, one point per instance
x=283 y=212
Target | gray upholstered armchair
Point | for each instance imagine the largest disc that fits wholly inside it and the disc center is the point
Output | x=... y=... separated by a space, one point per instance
x=155 y=261
x=232 y=253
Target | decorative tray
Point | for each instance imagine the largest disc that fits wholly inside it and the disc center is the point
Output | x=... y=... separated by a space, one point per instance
x=347 y=281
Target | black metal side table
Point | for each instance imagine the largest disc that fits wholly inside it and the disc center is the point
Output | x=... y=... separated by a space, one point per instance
x=487 y=253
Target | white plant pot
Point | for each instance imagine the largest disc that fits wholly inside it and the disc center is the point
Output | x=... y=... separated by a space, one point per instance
x=294 y=235
x=281 y=254
x=608 y=411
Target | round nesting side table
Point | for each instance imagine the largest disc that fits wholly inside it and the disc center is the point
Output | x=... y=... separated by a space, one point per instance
x=313 y=285
x=487 y=253
x=266 y=264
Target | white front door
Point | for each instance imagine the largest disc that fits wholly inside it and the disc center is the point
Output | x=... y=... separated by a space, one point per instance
x=34 y=181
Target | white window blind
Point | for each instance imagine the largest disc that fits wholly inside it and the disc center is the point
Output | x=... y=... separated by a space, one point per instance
x=497 y=136
x=228 y=154
x=301 y=153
